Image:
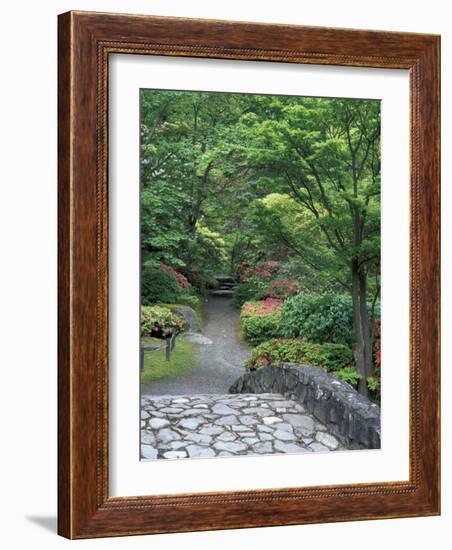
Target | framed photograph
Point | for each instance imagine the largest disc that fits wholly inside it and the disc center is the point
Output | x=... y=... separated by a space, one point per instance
x=248 y=275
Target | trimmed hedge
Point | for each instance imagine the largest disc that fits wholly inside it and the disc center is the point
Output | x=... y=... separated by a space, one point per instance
x=259 y=329
x=319 y=319
x=157 y=287
x=331 y=357
x=261 y=321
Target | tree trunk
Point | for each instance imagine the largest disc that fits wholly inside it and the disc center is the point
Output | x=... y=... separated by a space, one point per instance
x=363 y=353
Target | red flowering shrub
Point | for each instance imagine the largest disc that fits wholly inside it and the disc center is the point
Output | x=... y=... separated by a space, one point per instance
x=183 y=283
x=262 y=270
x=261 y=308
x=282 y=288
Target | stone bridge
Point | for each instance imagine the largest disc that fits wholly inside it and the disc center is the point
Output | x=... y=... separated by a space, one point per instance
x=286 y=408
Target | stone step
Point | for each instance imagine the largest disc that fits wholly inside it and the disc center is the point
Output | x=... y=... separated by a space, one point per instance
x=225 y=293
x=225 y=279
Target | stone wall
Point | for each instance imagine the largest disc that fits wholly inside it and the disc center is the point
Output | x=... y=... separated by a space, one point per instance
x=351 y=417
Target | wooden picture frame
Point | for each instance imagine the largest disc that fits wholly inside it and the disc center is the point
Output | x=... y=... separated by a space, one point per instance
x=85 y=508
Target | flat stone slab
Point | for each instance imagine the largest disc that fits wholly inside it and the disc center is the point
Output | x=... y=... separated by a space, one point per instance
x=207 y=426
x=197 y=338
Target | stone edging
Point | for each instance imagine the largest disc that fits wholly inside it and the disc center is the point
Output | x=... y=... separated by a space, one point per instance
x=354 y=419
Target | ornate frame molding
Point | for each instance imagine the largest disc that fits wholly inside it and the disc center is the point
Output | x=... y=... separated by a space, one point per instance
x=85 y=42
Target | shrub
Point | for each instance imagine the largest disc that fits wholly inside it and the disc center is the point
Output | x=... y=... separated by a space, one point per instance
x=321 y=318
x=259 y=329
x=183 y=283
x=374 y=388
x=157 y=286
x=261 y=320
x=188 y=299
x=282 y=288
x=251 y=290
x=159 y=322
x=377 y=349
x=261 y=308
x=262 y=270
x=331 y=357
x=349 y=375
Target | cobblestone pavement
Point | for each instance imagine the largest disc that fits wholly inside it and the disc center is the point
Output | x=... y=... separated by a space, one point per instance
x=203 y=426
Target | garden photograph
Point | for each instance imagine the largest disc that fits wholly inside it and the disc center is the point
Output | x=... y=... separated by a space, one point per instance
x=259 y=274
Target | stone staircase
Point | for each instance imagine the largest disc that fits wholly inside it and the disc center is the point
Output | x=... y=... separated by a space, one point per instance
x=226 y=286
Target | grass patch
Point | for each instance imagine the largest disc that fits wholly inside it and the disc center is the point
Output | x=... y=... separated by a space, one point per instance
x=156 y=367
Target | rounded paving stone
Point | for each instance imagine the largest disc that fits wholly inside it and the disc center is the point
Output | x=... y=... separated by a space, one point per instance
x=327 y=439
x=199 y=438
x=288 y=447
x=166 y=435
x=248 y=420
x=301 y=421
x=227 y=436
x=148 y=438
x=158 y=423
x=229 y=420
x=269 y=420
x=211 y=430
x=177 y=444
x=191 y=412
x=262 y=428
x=190 y=423
x=231 y=446
x=318 y=447
x=197 y=451
x=284 y=426
x=319 y=427
x=263 y=448
x=223 y=409
x=239 y=428
x=284 y=435
x=148 y=452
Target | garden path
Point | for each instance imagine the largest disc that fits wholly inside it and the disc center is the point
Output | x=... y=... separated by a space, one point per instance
x=220 y=362
x=193 y=416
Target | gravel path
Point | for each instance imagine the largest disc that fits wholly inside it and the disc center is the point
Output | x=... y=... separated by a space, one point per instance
x=219 y=363
x=205 y=426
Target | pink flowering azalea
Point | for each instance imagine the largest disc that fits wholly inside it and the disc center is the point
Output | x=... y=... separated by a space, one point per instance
x=283 y=288
x=182 y=281
x=261 y=308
